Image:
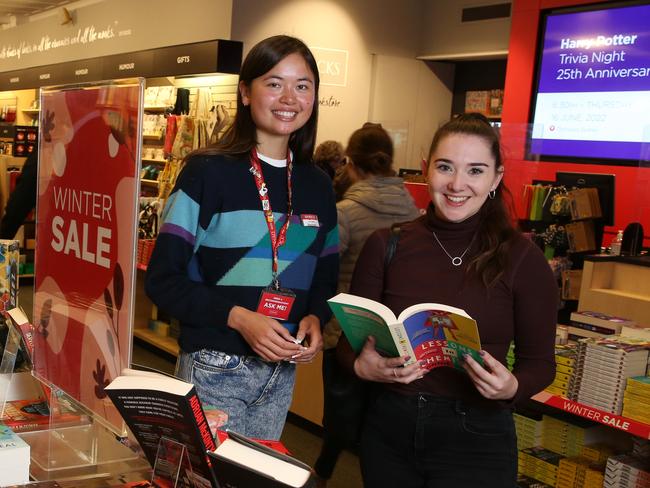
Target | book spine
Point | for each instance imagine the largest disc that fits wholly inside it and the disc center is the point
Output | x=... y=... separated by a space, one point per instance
x=401 y=340
x=594 y=328
x=202 y=422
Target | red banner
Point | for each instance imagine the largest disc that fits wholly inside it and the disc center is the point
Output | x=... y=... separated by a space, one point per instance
x=86 y=237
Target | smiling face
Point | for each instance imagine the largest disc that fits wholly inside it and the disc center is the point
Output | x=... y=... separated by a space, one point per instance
x=460 y=174
x=281 y=102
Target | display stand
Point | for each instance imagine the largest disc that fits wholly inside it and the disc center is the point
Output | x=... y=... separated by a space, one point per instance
x=71 y=443
x=8 y=362
x=172 y=467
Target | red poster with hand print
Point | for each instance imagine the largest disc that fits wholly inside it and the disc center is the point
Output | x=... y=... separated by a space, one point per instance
x=86 y=237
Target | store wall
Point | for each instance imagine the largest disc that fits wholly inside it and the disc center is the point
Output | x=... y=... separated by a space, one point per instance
x=632 y=183
x=445 y=36
x=112 y=27
x=375 y=44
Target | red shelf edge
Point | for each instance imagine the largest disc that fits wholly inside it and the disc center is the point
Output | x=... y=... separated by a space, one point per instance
x=141 y=267
x=625 y=424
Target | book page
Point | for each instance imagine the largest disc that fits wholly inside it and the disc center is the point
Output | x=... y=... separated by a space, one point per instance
x=360 y=317
x=440 y=335
x=275 y=468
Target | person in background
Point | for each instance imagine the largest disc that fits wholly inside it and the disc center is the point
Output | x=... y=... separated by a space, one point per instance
x=247 y=253
x=22 y=199
x=376 y=199
x=424 y=428
x=329 y=156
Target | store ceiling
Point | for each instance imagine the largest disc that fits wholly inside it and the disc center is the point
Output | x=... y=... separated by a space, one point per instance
x=21 y=8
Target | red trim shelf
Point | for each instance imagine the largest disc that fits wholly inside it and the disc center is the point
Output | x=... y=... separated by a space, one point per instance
x=141 y=267
x=630 y=426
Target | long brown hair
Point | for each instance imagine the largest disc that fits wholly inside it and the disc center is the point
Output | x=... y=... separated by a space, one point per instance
x=496 y=231
x=240 y=138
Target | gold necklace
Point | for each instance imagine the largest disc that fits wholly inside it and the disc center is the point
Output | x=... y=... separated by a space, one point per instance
x=455 y=260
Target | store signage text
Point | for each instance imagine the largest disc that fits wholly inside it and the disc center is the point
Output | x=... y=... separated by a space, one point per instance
x=84 y=35
x=182 y=59
x=329 y=102
x=332 y=66
x=88 y=240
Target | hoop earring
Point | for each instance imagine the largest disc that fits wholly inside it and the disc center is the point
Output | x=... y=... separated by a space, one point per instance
x=492 y=194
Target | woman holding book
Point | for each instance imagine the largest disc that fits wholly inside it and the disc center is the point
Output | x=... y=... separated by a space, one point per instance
x=426 y=428
x=248 y=251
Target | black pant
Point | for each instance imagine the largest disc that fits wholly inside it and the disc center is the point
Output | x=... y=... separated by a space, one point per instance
x=423 y=441
x=345 y=398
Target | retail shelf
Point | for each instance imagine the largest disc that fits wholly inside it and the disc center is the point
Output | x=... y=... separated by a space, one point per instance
x=149 y=182
x=159 y=161
x=630 y=426
x=31 y=111
x=141 y=267
x=167 y=344
x=155 y=108
x=155 y=137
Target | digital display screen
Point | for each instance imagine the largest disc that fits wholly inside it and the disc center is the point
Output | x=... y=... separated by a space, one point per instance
x=593 y=86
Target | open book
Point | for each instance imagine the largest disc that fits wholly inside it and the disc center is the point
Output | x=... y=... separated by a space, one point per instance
x=242 y=462
x=437 y=334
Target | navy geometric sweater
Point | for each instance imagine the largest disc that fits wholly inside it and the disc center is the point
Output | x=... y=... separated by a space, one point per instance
x=213 y=250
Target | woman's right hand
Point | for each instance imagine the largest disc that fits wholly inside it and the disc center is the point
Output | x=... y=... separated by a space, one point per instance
x=266 y=336
x=372 y=366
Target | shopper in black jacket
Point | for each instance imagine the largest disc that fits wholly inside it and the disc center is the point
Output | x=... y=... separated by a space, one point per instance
x=22 y=200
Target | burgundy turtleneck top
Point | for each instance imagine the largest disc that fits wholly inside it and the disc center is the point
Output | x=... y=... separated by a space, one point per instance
x=521 y=306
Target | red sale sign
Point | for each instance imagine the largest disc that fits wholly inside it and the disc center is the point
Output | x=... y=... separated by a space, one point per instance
x=86 y=237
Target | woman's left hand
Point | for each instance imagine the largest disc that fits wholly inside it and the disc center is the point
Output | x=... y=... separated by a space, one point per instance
x=494 y=381
x=310 y=336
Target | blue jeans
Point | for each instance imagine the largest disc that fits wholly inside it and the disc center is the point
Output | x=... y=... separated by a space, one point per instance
x=255 y=394
x=423 y=441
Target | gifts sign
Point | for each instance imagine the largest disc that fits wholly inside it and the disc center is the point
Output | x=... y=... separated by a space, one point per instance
x=86 y=233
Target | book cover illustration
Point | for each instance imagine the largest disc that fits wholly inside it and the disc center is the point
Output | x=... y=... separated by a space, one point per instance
x=441 y=338
x=436 y=334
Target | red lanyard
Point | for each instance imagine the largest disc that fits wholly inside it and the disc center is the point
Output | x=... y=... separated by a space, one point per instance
x=277 y=238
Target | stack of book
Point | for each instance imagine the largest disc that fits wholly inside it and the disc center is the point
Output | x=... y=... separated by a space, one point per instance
x=595 y=324
x=602 y=369
x=578 y=472
x=641 y=448
x=625 y=471
x=527 y=482
x=540 y=464
x=14 y=458
x=565 y=359
x=570 y=438
x=636 y=399
x=529 y=431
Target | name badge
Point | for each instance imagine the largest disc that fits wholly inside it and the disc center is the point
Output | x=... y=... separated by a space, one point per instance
x=309 y=220
x=276 y=303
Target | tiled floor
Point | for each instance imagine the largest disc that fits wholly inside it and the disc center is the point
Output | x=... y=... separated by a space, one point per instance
x=302 y=440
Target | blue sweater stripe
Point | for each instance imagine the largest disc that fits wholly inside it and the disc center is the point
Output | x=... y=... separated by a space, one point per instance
x=182 y=211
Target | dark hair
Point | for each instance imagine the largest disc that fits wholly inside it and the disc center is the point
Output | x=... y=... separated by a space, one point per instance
x=496 y=232
x=240 y=137
x=326 y=153
x=371 y=150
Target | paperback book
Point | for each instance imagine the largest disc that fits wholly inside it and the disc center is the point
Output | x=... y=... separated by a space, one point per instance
x=240 y=462
x=432 y=333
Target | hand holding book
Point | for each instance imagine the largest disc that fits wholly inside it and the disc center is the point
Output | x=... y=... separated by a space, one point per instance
x=492 y=379
x=372 y=366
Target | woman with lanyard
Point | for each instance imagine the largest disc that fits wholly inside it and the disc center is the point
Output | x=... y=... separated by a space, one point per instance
x=247 y=254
